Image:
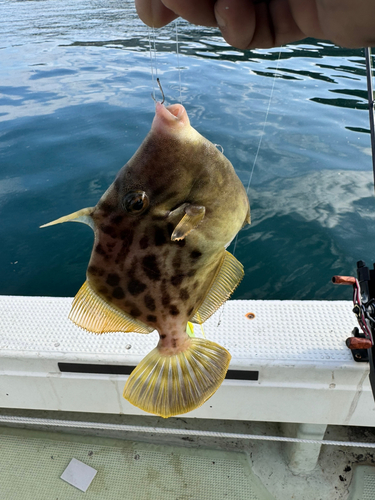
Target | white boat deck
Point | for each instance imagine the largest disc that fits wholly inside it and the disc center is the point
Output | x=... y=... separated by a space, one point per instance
x=289 y=363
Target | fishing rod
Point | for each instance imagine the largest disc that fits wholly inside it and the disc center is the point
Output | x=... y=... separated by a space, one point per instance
x=370 y=97
x=362 y=342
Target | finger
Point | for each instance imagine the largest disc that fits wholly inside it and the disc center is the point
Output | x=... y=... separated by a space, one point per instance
x=347 y=23
x=236 y=20
x=154 y=13
x=263 y=24
x=264 y=36
x=195 y=11
x=285 y=27
x=244 y=23
x=306 y=17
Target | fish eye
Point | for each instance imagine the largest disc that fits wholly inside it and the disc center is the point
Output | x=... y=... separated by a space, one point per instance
x=135 y=202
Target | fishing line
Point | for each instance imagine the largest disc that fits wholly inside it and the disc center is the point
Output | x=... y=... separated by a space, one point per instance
x=370 y=97
x=261 y=137
x=255 y=161
x=178 y=59
x=154 y=51
x=153 y=61
x=151 y=41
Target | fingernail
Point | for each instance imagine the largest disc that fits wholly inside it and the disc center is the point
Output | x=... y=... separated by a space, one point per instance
x=220 y=21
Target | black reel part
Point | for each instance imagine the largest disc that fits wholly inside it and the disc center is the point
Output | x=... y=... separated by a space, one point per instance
x=366 y=279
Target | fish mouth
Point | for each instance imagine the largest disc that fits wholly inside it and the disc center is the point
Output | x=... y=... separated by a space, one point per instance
x=177 y=110
x=170 y=119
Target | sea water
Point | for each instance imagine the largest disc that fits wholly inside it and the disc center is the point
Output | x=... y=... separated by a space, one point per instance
x=75 y=104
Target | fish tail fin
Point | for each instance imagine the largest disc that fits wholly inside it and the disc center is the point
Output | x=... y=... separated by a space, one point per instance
x=168 y=385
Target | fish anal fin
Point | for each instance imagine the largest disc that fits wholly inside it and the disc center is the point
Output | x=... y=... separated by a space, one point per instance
x=190 y=329
x=83 y=215
x=194 y=215
x=91 y=312
x=175 y=384
x=226 y=281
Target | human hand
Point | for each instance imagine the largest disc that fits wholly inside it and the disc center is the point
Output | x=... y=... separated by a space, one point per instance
x=248 y=24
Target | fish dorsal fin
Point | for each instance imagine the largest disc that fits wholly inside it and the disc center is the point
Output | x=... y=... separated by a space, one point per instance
x=91 y=312
x=83 y=215
x=194 y=215
x=226 y=281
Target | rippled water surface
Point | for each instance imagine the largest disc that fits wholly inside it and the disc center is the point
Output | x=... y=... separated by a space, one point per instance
x=75 y=83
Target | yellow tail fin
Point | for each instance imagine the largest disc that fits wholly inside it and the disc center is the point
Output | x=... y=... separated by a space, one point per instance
x=172 y=385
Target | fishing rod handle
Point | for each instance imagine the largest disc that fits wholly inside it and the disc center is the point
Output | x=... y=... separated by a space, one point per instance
x=343 y=280
x=358 y=343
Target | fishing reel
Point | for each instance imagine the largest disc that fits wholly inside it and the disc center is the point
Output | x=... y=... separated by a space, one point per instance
x=361 y=343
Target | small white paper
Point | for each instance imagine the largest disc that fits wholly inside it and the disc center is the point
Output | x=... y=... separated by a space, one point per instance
x=78 y=474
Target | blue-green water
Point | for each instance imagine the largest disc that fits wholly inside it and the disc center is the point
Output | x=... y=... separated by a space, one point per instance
x=75 y=83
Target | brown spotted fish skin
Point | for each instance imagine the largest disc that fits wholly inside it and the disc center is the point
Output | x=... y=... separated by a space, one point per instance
x=159 y=259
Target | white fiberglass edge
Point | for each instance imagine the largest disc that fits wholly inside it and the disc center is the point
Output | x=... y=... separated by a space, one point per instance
x=301 y=370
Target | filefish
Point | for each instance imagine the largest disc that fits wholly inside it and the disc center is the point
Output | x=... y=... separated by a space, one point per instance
x=159 y=260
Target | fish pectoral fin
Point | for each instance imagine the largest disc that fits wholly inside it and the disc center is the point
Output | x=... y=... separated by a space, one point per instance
x=91 y=312
x=194 y=215
x=225 y=282
x=83 y=215
x=168 y=385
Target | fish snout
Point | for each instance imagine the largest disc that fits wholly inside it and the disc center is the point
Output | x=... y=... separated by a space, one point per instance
x=169 y=119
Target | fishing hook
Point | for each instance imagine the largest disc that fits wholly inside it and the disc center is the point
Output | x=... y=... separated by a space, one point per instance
x=161 y=90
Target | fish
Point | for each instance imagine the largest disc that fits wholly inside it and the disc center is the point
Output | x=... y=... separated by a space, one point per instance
x=159 y=260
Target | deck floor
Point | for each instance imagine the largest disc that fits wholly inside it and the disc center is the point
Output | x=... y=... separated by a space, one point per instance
x=31 y=463
x=161 y=467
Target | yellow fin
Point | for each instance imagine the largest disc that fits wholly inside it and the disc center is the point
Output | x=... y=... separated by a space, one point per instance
x=168 y=385
x=226 y=280
x=91 y=312
x=190 y=329
x=193 y=217
x=200 y=323
x=83 y=215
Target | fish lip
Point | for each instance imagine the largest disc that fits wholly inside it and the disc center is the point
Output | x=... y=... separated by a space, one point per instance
x=170 y=119
x=176 y=110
